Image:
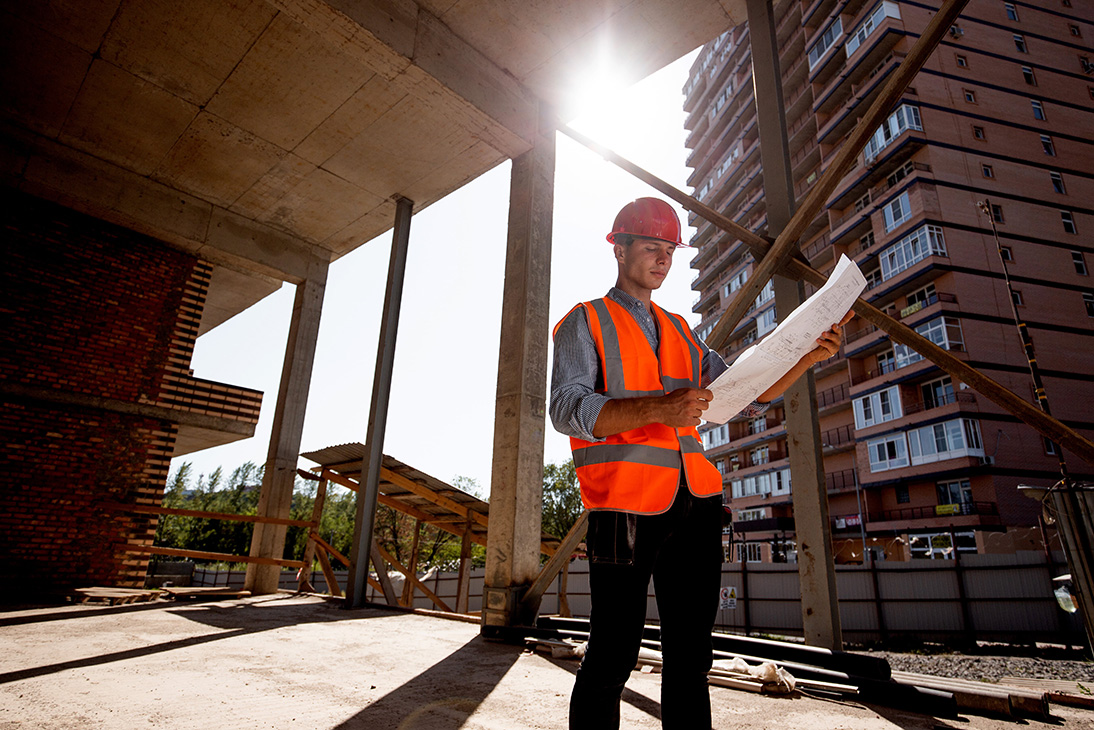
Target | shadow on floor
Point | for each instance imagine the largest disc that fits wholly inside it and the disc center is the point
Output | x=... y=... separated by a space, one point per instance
x=443 y=696
x=635 y=699
x=232 y=621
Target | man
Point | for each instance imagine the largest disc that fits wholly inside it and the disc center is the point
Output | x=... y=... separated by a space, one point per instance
x=629 y=388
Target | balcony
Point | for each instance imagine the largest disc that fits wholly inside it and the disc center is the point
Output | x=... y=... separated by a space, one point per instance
x=767 y=524
x=863 y=63
x=838 y=439
x=940 y=512
x=834 y=396
x=839 y=481
x=841 y=120
x=963 y=397
x=235 y=409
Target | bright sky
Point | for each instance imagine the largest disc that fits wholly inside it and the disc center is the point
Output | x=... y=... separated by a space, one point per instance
x=441 y=418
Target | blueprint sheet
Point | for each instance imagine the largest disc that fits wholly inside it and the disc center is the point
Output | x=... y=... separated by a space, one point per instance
x=760 y=366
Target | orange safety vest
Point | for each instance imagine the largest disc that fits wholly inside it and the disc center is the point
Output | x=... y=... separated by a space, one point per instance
x=639 y=470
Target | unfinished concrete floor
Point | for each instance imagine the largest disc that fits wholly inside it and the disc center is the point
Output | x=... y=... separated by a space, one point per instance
x=300 y=662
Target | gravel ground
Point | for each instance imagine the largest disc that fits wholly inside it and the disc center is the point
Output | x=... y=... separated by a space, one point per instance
x=993 y=666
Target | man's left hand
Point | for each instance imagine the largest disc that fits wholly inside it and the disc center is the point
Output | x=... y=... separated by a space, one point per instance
x=828 y=344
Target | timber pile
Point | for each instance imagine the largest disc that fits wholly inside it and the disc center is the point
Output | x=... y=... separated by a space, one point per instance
x=112 y=596
x=1060 y=691
x=850 y=676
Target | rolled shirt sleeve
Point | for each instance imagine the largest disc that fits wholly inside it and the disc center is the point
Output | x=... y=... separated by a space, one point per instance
x=575 y=404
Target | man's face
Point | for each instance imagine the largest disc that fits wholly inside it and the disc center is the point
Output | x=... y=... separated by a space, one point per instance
x=645 y=262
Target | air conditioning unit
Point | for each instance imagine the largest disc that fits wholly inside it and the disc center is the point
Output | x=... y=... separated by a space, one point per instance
x=987 y=460
x=1088 y=66
x=765 y=495
x=956 y=31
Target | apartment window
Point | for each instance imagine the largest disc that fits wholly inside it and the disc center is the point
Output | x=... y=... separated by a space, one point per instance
x=902 y=496
x=1088 y=300
x=987 y=171
x=1007 y=253
x=888 y=452
x=904 y=118
x=757 y=425
x=859 y=36
x=1075 y=30
x=1049 y=446
x=946 y=440
x=940 y=545
x=1069 y=221
x=961 y=60
x=1012 y=12
x=1017 y=297
x=750 y=551
x=766 y=322
x=866 y=241
x=937 y=392
x=954 y=492
x=1057 y=183
x=920 y=298
x=911 y=249
x=1080 y=263
x=1066 y=3
x=978 y=133
x=1020 y=43
x=825 y=42
x=997 y=213
x=767 y=294
x=1027 y=74
x=886 y=362
x=942 y=331
x=970 y=96
x=873 y=278
x=1047 y=146
x=896 y=212
x=878 y=407
x=1038 y=109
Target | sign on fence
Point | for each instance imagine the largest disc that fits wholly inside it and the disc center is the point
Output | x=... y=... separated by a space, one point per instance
x=729 y=597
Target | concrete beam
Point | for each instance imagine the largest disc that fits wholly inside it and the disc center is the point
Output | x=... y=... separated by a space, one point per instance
x=816 y=566
x=516 y=482
x=268 y=541
x=53 y=171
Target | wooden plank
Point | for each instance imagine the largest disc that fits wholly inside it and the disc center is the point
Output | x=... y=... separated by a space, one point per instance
x=332 y=581
x=327 y=546
x=412 y=579
x=304 y=584
x=154 y=510
x=218 y=557
x=534 y=594
x=381 y=573
x=463 y=580
x=429 y=494
x=207 y=591
x=412 y=569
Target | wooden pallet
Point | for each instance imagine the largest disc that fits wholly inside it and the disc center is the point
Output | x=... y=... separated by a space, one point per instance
x=113 y=596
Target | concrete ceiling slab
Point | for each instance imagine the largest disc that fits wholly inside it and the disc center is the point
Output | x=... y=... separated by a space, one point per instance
x=217 y=161
x=260 y=134
x=186 y=48
x=287 y=84
x=33 y=61
x=124 y=119
x=81 y=24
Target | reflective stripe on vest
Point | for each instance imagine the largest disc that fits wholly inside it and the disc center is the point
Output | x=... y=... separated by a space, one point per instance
x=639 y=470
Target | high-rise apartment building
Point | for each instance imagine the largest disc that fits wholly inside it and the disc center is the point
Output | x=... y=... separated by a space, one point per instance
x=916 y=465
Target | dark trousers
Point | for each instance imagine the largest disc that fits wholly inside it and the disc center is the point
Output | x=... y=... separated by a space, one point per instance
x=682 y=550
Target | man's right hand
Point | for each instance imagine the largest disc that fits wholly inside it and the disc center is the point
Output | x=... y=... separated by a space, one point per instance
x=683 y=407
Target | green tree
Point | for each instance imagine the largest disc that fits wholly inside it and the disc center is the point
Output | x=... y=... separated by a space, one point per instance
x=561 y=498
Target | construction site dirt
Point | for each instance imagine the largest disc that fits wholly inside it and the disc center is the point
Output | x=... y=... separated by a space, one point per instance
x=301 y=661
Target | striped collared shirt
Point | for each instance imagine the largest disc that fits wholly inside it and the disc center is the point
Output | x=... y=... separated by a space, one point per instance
x=575 y=402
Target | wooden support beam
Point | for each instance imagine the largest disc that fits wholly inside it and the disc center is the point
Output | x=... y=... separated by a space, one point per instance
x=412 y=569
x=463 y=582
x=381 y=573
x=327 y=546
x=328 y=572
x=309 y=549
x=154 y=510
x=412 y=579
x=534 y=594
x=219 y=557
x=786 y=244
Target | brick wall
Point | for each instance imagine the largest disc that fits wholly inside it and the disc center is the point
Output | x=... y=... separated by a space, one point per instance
x=92 y=314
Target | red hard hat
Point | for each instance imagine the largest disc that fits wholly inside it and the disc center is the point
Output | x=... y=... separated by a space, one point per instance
x=649 y=218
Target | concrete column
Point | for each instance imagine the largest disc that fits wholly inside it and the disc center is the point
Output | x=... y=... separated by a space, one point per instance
x=516 y=482
x=368 y=495
x=816 y=567
x=268 y=541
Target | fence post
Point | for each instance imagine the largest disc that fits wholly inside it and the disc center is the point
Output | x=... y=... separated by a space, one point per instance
x=879 y=606
x=745 y=594
x=969 y=630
